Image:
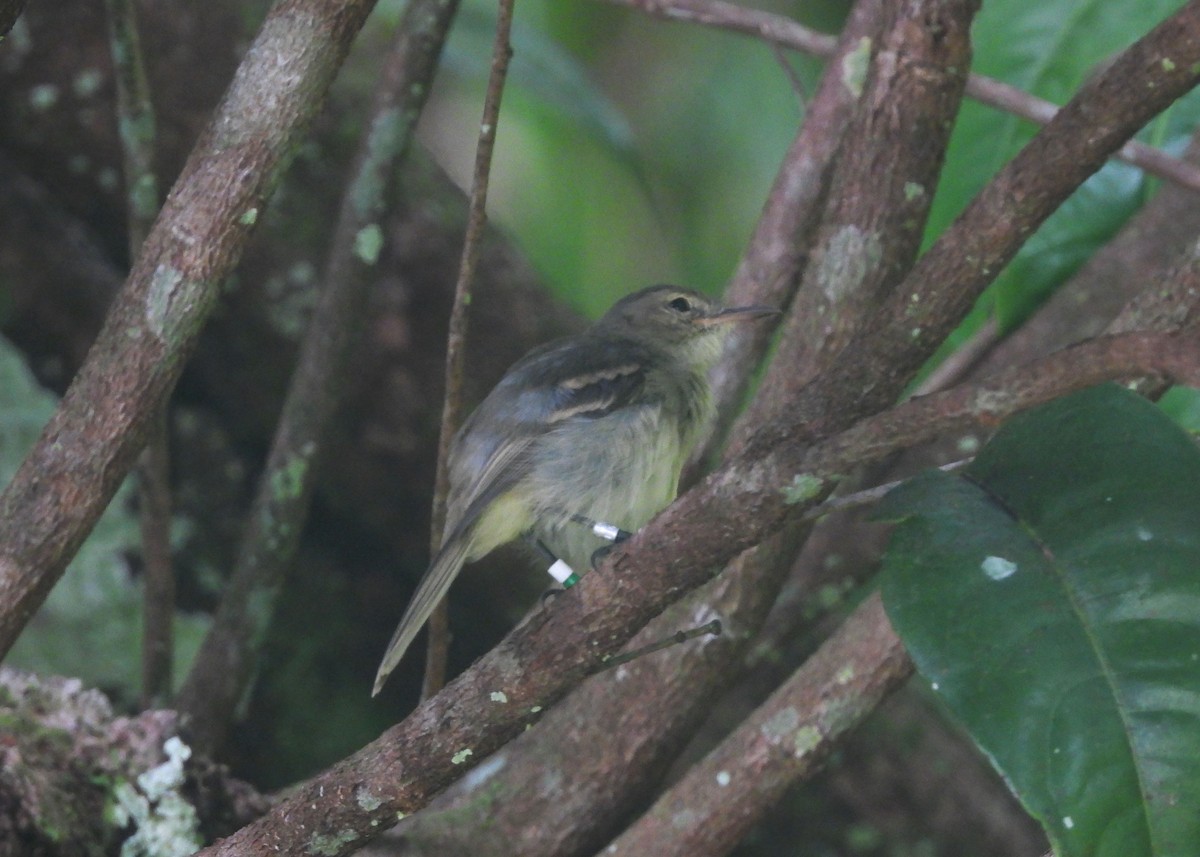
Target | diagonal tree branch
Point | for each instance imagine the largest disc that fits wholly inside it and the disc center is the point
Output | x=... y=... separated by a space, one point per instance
x=226 y=661
x=89 y=445
x=713 y=806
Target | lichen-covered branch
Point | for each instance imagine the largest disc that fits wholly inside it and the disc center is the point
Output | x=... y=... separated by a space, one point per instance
x=79 y=779
x=227 y=660
x=768 y=271
x=90 y=443
x=879 y=199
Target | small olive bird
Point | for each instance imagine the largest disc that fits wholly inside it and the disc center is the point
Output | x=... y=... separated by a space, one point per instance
x=590 y=428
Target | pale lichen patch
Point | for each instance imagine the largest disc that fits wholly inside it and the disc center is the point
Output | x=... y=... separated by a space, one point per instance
x=855 y=65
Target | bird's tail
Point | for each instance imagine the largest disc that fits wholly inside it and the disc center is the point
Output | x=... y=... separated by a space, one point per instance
x=432 y=589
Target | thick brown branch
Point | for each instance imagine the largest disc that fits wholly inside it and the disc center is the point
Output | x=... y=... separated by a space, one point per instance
x=89 y=445
x=768 y=270
x=1175 y=356
x=880 y=196
x=785 y=739
x=941 y=288
x=560 y=787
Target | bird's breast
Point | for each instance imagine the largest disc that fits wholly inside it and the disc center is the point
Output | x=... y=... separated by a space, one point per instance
x=622 y=469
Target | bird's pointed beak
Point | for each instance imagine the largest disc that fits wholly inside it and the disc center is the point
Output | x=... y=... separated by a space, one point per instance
x=738 y=314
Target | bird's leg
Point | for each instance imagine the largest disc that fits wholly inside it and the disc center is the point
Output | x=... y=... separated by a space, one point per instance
x=568 y=578
x=559 y=569
x=556 y=567
x=609 y=532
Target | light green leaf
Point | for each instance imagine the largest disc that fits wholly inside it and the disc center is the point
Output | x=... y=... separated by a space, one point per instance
x=1049 y=50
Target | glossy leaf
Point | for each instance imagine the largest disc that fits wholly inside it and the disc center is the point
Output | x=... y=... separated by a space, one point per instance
x=1048 y=49
x=1052 y=597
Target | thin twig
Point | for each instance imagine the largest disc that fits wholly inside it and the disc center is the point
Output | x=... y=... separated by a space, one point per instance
x=713 y=628
x=135 y=116
x=158 y=572
x=781 y=30
x=226 y=662
x=456 y=339
x=793 y=78
x=868 y=496
x=136 y=121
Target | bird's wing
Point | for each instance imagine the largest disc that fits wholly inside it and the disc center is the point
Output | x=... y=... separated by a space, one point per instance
x=574 y=379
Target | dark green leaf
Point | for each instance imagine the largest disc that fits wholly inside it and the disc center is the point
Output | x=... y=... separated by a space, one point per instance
x=1053 y=599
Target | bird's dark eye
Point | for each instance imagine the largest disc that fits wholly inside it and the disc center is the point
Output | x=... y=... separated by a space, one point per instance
x=680 y=304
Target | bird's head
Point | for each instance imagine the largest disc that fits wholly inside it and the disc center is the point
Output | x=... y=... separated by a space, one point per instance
x=678 y=319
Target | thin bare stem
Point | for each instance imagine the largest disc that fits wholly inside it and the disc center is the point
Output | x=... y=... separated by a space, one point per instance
x=158 y=572
x=135 y=117
x=456 y=340
x=679 y=637
x=783 y=31
x=226 y=662
x=869 y=496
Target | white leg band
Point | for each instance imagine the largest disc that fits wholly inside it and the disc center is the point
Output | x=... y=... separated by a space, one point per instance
x=560 y=571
